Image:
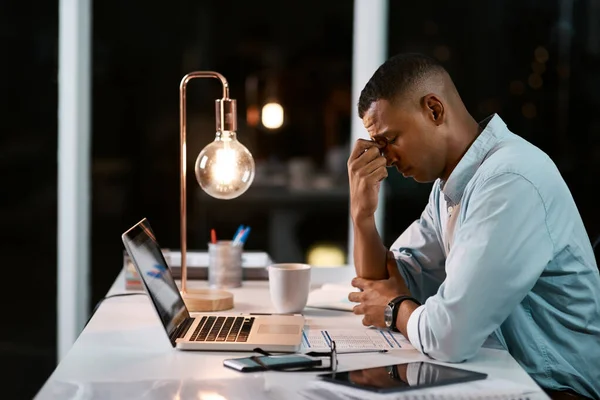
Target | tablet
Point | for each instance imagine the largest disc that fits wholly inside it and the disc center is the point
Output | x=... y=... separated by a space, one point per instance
x=401 y=377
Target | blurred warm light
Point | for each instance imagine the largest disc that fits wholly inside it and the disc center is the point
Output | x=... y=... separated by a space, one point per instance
x=442 y=53
x=541 y=54
x=252 y=116
x=535 y=81
x=529 y=110
x=210 y=396
x=325 y=255
x=538 y=67
x=517 y=88
x=272 y=115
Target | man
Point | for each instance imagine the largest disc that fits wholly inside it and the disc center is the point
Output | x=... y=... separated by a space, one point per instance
x=500 y=248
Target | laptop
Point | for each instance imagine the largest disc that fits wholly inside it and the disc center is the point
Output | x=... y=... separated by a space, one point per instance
x=212 y=331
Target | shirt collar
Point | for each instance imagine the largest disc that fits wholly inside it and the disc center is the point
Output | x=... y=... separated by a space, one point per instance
x=454 y=187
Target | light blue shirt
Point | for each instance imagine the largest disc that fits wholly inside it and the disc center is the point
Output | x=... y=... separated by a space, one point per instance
x=518 y=264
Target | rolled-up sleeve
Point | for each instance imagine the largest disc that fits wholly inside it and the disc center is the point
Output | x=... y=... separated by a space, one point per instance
x=420 y=255
x=412 y=328
x=500 y=248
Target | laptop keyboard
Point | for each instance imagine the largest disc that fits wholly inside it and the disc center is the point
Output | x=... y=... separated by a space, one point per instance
x=223 y=329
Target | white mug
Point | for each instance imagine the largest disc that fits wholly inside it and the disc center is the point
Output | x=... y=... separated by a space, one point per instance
x=289 y=285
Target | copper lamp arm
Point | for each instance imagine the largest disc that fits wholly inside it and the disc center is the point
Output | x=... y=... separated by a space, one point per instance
x=183 y=158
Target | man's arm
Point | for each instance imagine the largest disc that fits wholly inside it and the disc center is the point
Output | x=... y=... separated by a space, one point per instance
x=418 y=251
x=414 y=266
x=498 y=254
x=366 y=170
x=369 y=252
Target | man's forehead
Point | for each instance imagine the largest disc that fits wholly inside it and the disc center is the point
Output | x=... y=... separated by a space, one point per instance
x=376 y=116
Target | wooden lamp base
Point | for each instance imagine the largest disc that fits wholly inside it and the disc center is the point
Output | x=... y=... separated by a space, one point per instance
x=197 y=300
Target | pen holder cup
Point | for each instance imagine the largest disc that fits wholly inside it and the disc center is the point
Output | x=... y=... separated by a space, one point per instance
x=225 y=264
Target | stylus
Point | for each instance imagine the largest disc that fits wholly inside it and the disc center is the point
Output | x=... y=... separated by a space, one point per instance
x=317 y=353
x=362 y=351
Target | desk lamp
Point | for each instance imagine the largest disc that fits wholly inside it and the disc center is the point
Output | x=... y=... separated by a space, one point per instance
x=224 y=170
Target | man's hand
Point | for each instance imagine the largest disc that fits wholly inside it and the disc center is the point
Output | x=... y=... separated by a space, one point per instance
x=366 y=170
x=376 y=294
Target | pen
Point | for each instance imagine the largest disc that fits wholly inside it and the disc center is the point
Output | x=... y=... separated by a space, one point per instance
x=362 y=351
x=258 y=313
x=238 y=239
x=318 y=353
x=239 y=230
x=213 y=236
x=244 y=235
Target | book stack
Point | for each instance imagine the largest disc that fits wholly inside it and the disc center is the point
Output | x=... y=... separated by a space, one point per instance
x=254 y=266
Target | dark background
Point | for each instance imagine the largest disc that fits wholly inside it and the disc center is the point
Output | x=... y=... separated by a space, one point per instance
x=536 y=63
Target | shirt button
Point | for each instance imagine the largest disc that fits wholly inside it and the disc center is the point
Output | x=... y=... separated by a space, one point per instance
x=450 y=209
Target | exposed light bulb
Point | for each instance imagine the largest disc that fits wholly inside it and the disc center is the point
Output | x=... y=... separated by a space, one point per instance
x=272 y=115
x=225 y=168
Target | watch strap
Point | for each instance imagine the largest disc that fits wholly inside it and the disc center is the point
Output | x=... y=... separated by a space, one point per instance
x=395 y=305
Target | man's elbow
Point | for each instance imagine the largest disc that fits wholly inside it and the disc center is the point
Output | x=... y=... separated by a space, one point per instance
x=453 y=351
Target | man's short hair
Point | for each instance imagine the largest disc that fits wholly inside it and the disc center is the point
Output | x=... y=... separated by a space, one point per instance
x=395 y=77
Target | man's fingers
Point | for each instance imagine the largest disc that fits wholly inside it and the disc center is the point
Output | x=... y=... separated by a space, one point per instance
x=359 y=309
x=378 y=175
x=365 y=320
x=359 y=148
x=362 y=145
x=360 y=283
x=362 y=163
x=375 y=165
x=355 y=297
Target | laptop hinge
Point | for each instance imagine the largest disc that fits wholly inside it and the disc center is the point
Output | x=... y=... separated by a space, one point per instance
x=181 y=329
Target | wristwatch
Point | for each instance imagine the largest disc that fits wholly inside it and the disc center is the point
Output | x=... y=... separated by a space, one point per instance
x=392 y=372
x=390 y=314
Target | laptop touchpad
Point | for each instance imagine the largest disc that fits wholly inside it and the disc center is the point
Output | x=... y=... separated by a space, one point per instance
x=278 y=329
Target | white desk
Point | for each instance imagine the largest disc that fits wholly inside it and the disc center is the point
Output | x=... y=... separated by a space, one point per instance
x=124 y=353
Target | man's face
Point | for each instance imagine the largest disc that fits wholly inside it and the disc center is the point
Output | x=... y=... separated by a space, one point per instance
x=408 y=139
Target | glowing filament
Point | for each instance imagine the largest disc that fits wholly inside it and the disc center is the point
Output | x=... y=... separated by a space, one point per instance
x=224 y=168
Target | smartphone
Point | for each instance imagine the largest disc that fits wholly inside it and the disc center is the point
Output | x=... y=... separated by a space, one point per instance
x=247 y=364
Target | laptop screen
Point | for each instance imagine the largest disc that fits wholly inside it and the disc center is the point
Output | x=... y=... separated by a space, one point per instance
x=144 y=250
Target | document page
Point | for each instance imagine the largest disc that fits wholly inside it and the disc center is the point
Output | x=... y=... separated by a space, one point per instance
x=332 y=296
x=492 y=389
x=353 y=339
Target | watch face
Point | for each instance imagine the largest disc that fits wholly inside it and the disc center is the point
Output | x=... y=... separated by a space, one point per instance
x=388 y=316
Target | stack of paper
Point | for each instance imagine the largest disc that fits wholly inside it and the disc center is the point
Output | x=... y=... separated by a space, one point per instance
x=332 y=296
x=497 y=389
